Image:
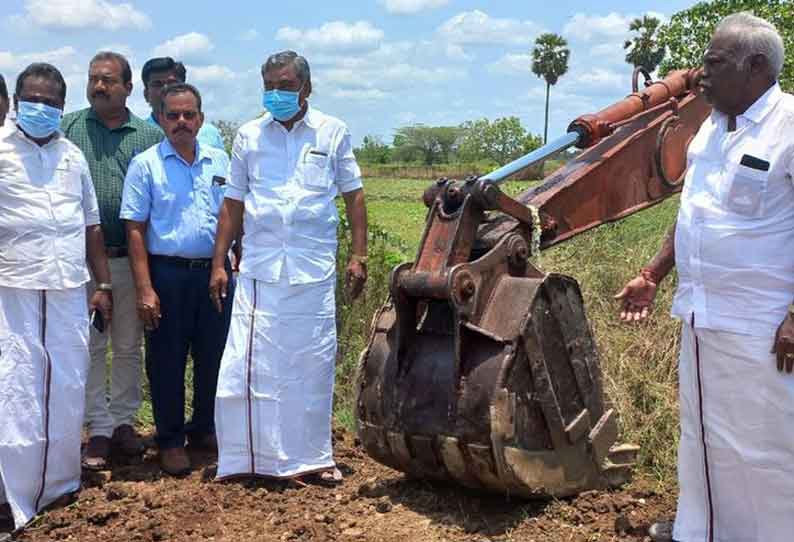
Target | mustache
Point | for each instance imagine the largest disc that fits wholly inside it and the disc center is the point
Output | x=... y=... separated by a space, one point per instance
x=181 y=129
x=100 y=93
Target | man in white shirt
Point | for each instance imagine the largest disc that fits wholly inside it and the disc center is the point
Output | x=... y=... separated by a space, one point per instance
x=275 y=389
x=732 y=247
x=49 y=226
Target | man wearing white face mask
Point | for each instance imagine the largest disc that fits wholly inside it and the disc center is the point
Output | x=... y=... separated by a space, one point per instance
x=49 y=229
x=275 y=388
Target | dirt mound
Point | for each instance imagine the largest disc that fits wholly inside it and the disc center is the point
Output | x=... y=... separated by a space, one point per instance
x=137 y=503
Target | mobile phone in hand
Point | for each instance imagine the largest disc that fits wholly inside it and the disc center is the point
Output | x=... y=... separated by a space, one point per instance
x=97 y=320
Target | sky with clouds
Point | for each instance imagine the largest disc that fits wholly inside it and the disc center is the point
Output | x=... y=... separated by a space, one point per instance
x=377 y=64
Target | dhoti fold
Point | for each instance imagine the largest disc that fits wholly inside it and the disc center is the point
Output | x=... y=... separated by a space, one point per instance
x=43 y=368
x=736 y=456
x=275 y=389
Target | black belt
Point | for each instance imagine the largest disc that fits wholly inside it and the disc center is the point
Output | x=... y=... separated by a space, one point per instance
x=190 y=263
x=116 y=252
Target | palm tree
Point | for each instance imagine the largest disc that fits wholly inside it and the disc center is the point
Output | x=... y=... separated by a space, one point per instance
x=644 y=48
x=550 y=61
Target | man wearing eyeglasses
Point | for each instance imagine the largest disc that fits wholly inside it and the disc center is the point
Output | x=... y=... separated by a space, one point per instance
x=162 y=71
x=172 y=195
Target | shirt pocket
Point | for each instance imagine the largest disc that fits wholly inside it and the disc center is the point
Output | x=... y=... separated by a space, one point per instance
x=745 y=190
x=315 y=171
x=68 y=179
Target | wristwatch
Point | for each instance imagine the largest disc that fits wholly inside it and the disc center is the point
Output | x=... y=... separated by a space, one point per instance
x=359 y=259
x=104 y=287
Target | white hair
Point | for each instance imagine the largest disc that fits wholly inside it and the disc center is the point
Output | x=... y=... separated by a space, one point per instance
x=754 y=36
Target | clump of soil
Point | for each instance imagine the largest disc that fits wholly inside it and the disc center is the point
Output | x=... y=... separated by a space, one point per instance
x=137 y=503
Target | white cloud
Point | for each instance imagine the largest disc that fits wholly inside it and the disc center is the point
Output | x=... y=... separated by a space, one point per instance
x=603 y=79
x=409 y=7
x=365 y=95
x=249 y=35
x=588 y=27
x=84 y=14
x=512 y=64
x=477 y=27
x=185 y=47
x=339 y=35
x=209 y=74
x=456 y=52
x=11 y=61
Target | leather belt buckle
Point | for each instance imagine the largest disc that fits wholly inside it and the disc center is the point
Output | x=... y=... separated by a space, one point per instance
x=198 y=264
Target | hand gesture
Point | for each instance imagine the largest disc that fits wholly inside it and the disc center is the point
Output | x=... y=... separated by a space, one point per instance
x=355 y=277
x=637 y=299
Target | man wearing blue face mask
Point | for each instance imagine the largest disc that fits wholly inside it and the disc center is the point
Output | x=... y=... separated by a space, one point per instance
x=275 y=388
x=49 y=231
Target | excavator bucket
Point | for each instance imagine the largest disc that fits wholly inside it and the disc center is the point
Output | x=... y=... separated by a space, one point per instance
x=483 y=370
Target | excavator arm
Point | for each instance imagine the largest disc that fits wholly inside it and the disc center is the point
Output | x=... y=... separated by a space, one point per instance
x=481 y=368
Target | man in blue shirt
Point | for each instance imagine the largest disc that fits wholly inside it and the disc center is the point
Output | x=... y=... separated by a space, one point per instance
x=162 y=71
x=172 y=195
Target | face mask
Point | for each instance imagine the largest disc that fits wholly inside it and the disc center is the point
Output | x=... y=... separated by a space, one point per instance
x=38 y=120
x=282 y=104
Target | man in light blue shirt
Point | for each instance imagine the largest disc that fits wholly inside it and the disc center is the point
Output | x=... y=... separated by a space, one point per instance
x=162 y=71
x=172 y=196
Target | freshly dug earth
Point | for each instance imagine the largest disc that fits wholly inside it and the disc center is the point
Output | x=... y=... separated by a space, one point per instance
x=137 y=503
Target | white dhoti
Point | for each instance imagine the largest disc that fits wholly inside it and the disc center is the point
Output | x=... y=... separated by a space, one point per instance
x=275 y=389
x=741 y=482
x=43 y=367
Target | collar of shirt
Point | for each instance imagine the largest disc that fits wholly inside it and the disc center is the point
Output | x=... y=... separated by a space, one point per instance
x=167 y=150
x=756 y=113
x=128 y=124
x=309 y=119
x=14 y=131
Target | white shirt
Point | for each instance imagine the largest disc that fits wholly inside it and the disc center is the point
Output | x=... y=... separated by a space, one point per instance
x=46 y=201
x=734 y=243
x=288 y=181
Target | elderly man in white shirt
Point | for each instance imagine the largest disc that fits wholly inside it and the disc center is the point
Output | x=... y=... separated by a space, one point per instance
x=49 y=226
x=275 y=389
x=732 y=246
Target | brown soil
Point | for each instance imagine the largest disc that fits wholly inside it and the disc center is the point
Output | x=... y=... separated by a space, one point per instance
x=138 y=503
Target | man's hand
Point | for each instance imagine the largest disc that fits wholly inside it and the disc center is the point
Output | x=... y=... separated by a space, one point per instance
x=784 y=344
x=355 y=277
x=148 y=306
x=637 y=297
x=219 y=282
x=102 y=300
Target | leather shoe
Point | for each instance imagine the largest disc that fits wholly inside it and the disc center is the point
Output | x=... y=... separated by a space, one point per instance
x=661 y=531
x=174 y=461
x=205 y=443
x=97 y=453
x=127 y=441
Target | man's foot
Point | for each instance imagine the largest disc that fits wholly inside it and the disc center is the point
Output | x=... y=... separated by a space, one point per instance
x=329 y=477
x=127 y=441
x=97 y=453
x=661 y=531
x=174 y=461
x=205 y=443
